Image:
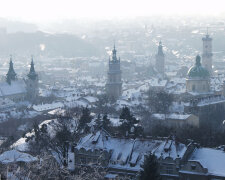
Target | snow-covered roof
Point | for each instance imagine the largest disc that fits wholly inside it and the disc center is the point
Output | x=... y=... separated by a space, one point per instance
x=91 y=99
x=13 y=156
x=16 y=87
x=22 y=145
x=155 y=82
x=212 y=159
x=111 y=176
x=171 y=116
x=46 y=107
x=125 y=152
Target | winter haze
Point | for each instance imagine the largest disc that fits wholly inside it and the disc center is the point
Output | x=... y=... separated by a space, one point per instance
x=115 y=90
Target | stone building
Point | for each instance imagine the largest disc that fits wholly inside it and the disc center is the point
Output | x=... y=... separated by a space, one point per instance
x=160 y=60
x=207 y=53
x=204 y=164
x=198 y=78
x=123 y=156
x=176 y=120
x=19 y=89
x=210 y=108
x=114 y=83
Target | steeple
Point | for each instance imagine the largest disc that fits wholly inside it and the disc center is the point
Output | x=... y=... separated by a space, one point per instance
x=160 y=60
x=32 y=74
x=114 y=58
x=207 y=52
x=114 y=83
x=198 y=60
x=11 y=75
x=160 y=50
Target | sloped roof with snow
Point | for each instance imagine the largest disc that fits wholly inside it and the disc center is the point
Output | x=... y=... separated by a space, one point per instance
x=129 y=153
x=171 y=116
x=46 y=107
x=13 y=156
x=212 y=159
x=22 y=145
x=16 y=87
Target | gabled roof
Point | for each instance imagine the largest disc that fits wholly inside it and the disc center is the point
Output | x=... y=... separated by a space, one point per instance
x=129 y=153
x=212 y=159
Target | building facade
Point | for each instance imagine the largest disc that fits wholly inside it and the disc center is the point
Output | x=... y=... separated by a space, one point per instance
x=204 y=107
x=123 y=156
x=19 y=89
x=176 y=120
x=114 y=82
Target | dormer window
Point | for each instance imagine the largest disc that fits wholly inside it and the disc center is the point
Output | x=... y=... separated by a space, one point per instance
x=193 y=167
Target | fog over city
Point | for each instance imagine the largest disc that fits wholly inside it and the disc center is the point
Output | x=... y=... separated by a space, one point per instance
x=115 y=90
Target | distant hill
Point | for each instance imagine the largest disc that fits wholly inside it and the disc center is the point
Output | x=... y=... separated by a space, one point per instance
x=52 y=45
x=17 y=26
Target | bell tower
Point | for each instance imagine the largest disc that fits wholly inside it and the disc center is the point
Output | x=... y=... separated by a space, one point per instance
x=11 y=75
x=32 y=83
x=207 y=52
x=160 y=60
x=114 y=83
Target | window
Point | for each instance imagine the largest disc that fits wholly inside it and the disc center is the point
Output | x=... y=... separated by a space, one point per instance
x=193 y=167
x=169 y=169
x=95 y=160
x=89 y=160
x=83 y=160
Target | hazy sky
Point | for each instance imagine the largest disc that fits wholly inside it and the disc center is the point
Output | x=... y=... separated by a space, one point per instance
x=53 y=10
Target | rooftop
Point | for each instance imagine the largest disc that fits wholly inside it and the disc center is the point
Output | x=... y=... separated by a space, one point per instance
x=212 y=159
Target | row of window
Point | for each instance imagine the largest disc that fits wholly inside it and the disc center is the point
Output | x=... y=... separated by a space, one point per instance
x=86 y=160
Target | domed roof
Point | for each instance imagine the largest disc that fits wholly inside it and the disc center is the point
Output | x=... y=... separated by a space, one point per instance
x=197 y=71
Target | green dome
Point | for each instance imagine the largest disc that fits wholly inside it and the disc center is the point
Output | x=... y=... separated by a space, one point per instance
x=197 y=71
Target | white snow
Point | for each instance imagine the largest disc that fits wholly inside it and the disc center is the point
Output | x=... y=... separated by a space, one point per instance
x=16 y=87
x=129 y=151
x=212 y=159
x=171 y=116
x=22 y=145
x=46 y=107
x=13 y=156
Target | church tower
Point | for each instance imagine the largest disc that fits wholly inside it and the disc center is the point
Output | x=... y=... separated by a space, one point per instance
x=114 y=83
x=160 y=60
x=11 y=75
x=32 y=83
x=207 y=53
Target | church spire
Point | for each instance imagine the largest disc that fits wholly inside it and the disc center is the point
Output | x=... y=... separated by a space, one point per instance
x=114 y=58
x=160 y=50
x=32 y=74
x=11 y=75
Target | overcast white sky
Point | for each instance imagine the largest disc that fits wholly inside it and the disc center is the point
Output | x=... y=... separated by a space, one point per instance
x=52 y=10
